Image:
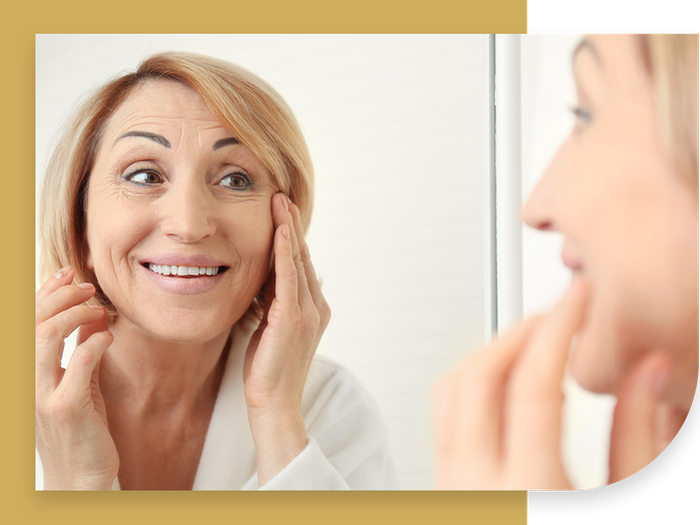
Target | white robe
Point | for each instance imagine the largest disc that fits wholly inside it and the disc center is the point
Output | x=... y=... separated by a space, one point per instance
x=347 y=444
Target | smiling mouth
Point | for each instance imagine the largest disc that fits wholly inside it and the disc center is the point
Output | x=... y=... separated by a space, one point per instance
x=185 y=271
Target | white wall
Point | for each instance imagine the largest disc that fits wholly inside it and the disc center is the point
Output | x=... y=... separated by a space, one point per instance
x=548 y=93
x=399 y=130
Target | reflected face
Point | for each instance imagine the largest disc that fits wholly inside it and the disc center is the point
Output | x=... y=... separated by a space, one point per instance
x=179 y=224
x=629 y=222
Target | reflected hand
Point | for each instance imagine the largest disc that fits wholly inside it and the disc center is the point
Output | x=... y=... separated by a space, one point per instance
x=643 y=424
x=499 y=414
x=76 y=449
x=280 y=352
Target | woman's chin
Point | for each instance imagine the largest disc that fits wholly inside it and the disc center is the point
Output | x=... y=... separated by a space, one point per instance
x=592 y=363
x=183 y=329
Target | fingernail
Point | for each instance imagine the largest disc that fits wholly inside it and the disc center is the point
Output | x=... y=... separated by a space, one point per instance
x=285 y=202
x=95 y=307
x=86 y=286
x=285 y=231
x=63 y=271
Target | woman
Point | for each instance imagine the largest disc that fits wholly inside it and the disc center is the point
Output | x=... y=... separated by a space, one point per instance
x=174 y=212
x=623 y=191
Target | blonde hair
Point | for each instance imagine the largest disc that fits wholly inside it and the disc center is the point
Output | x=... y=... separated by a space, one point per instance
x=242 y=102
x=672 y=61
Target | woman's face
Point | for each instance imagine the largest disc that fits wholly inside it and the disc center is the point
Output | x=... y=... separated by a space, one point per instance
x=171 y=193
x=629 y=222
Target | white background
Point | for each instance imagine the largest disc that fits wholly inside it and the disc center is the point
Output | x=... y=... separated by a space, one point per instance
x=398 y=128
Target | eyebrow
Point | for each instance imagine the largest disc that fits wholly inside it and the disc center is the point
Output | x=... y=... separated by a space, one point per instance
x=587 y=44
x=229 y=141
x=146 y=135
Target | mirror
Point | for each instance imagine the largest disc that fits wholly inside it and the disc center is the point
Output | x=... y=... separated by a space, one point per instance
x=400 y=132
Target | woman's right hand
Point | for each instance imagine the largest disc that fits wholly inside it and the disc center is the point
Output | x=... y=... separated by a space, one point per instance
x=72 y=437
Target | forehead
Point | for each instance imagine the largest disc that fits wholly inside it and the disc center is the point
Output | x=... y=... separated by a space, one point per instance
x=161 y=102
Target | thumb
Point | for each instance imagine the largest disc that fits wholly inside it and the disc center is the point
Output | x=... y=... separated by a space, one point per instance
x=633 y=439
x=101 y=325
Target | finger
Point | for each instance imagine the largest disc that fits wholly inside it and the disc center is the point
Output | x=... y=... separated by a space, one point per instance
x=303 y=292
x=310 y=272
x=63 y=277
x=535 y=392
x=50 y=337
x=633 y=438
x=289 y=272
x=669 y=420
x=286 y=274
x=477 y=388
x=61 y=299
x=683 y=381
x=99 y=325
x=76 y=380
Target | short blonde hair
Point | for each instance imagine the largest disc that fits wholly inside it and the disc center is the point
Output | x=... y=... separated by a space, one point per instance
x=242 y=102
x=672 y=61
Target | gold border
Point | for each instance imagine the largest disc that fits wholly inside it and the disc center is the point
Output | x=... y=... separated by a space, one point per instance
x=23 y=504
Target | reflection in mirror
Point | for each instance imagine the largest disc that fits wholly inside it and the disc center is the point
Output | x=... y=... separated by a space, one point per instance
x=548 y=85
x=400 y=134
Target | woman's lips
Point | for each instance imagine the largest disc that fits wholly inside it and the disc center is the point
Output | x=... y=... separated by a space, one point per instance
x=174 y=259
x=184 y=275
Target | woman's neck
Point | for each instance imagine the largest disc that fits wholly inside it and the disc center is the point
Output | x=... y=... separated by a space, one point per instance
x=150 y=374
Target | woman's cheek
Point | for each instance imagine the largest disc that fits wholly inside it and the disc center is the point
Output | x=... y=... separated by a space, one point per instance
x=609 y=344
x=253 y=237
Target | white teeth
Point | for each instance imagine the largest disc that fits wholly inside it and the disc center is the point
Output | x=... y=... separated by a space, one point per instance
x=165 y=269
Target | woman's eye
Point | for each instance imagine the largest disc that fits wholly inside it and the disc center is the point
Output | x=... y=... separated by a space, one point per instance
x=238 y=181
x=144 y=177
x=582 y=115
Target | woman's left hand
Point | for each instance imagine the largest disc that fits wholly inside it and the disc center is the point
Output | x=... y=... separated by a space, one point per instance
x=281 y=349
x=498 y=415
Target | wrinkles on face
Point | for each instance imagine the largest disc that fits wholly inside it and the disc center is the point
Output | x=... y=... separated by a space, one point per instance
x=167 y=191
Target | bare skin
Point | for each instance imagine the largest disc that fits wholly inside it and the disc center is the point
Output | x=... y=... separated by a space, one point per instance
x=136 y=399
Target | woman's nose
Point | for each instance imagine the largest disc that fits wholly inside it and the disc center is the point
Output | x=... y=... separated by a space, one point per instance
x=537 y=210
x=187 y=212
x=543 y=210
